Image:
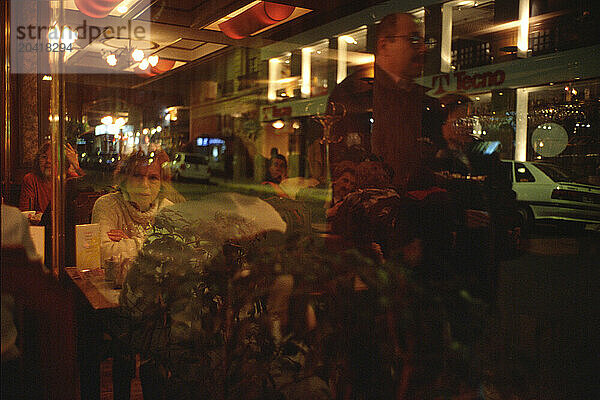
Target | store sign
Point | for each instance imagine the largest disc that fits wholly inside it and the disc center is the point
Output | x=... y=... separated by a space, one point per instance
x=273 y=112
x=462 y=81
x=294 y=108
x=564 y=66
x=207 y=141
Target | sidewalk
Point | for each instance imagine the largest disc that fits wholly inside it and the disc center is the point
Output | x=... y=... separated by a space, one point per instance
x=548 y=300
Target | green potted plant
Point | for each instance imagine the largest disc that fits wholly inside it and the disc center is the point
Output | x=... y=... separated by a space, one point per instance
x=201 y=306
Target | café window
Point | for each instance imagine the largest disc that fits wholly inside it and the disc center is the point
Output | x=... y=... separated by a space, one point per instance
x=319 y=68
x=282 y=85
x=352 y=52
x=208 y=163
x=564 y=117
x=250 y=68
x=469 y=24
x=476 y=33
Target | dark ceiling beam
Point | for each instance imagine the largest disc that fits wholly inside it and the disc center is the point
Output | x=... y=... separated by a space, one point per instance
x=315 y=5
x=188 y=55
x=170 y=16
x=212 y=10
x=203 y=35
x=166 y=32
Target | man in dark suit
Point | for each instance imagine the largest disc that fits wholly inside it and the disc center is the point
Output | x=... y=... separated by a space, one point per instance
x=397 y=100
x=386 y=92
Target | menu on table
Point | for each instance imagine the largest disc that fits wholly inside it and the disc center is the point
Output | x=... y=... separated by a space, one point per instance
x=38 y=236
x=87 y=246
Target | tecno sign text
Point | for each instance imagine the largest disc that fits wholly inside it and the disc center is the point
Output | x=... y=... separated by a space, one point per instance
x=462 y=81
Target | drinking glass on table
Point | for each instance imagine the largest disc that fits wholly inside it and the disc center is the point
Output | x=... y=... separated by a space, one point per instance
x=111 y=266
x=115 y=270
x=121 y=272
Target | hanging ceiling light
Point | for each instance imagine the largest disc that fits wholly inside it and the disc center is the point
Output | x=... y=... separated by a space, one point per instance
x=54 y=35
x=68 y=36
x=120 y=121
x=137 y=55
x=144 y=65
x=153 y=60
x=107 y=120
x=111 y=59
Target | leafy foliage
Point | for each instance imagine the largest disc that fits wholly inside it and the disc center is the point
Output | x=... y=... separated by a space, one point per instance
x=278 y=316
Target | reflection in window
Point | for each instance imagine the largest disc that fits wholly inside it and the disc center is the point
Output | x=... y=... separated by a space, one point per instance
x=471 y=45
x=574 y=106
x=319 y=68
x=522 y=174
x=281 y=82
x=352 y=52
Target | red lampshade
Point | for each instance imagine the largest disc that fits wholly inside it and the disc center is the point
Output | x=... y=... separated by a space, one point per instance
x=162 y=66
x=96 y=8
x=255 y=18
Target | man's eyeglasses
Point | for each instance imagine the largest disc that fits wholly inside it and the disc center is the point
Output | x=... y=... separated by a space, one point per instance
x=416 y=40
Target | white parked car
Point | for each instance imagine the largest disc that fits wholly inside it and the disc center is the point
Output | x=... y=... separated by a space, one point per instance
x=546 y=192
x=190 y=165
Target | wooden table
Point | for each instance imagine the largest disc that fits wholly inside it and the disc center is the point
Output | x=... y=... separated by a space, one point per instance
x=97 y=304
x=98 y=292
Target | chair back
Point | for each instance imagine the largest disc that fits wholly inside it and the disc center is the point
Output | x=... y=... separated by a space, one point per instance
x=44 y=317
x=84 y=204
x=11 y=193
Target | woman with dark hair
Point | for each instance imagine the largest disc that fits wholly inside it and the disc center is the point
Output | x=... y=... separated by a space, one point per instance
x=36 y=191
x=126 y=215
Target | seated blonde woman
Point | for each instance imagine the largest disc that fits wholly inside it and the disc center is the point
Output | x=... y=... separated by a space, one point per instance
x=126 y=216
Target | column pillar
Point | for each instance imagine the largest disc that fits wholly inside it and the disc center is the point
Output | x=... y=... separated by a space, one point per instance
x=433 y=30
x=446 y=43
x=521 y=129
x=342 y=59
x=523 y=36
